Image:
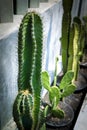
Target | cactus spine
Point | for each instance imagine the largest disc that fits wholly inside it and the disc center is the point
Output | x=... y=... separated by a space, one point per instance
x=26 y=108
x=66 y=23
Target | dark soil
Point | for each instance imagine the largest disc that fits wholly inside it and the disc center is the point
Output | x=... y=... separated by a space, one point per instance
x=56 y=122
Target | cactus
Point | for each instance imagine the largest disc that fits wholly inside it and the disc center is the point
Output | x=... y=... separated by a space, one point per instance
x=70 y=49
x=26 y=108
x=57 y=93
x=76 y=45
x=66 y=23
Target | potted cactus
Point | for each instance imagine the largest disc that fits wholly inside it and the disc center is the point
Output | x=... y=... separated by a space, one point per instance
x=75 y=50
x=65 y=38
x=66 y=24
x=57 y=112
x=78 y=50
x=26 y=107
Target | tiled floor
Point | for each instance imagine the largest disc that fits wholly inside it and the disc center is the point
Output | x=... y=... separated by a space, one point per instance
x=81 y=123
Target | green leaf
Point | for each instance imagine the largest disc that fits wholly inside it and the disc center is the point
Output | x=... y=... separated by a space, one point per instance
x=45 y=80
x=54 y=95
x=67 y=79
x=58 y=113
x=68 y=90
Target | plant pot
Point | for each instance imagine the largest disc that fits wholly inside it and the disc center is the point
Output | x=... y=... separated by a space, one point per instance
x=53 y=123
x=73 y=100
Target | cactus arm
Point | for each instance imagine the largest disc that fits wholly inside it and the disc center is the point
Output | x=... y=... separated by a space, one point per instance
x=27 y=112
x=77 y=28
x=26 y=108
x=22 y=109
x=16 y=112
x=26 y=47
x=70 y=50
x=64 y=41
x=36 y=78
x=66 y=22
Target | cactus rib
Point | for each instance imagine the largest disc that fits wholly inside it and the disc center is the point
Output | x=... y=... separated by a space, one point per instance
x=22 y=109
x=66 y=23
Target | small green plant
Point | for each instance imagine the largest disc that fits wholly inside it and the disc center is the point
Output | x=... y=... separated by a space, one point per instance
x=26 y=108
x=57 y=93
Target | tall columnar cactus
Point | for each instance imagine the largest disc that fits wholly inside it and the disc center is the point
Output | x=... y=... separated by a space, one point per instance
x=70 y=49
x=26 y=108
x=66 y=23
x=76 y=46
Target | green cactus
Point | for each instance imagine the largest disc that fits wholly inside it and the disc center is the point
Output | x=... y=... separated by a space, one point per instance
x=70 y=49
x=22 y=110
x=66 y=23
x=26 y=108
x=76 y=45
x=57 y=93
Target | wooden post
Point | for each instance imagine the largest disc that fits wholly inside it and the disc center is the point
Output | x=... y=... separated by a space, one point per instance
x=21 y=6
x=6 y=11
x=34 y=3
